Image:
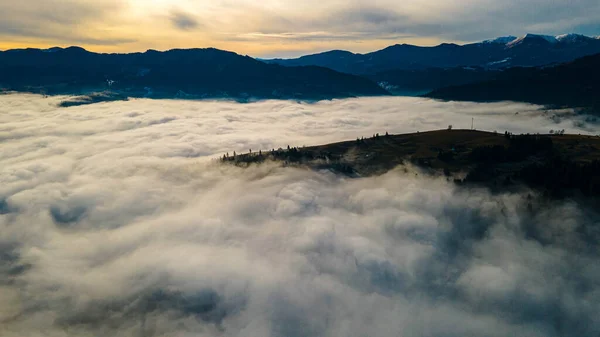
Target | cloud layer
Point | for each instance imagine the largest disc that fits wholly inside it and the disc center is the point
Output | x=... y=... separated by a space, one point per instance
x=113 y=221
x=281 y=27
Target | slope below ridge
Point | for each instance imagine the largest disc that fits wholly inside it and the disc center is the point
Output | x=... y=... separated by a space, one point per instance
x=573 y=84
x=182 y=73
x=502 y=39
x=534 y=37
x=474 y=157
x=573 y=38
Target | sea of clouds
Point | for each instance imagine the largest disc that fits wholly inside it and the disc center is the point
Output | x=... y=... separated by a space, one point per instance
x=115 y=220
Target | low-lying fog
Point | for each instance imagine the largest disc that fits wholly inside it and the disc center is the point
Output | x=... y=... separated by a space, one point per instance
x=113 y=222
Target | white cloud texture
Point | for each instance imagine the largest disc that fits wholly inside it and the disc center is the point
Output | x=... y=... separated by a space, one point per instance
x=113 y=222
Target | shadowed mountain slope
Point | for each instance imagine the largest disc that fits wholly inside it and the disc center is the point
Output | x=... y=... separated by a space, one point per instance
x=530 y=50
x=190 y=73
x=574 y=84
x=558 y=165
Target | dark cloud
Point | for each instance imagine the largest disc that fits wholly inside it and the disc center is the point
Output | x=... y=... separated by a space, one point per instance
x=517 y=18
x=58 y=20
x=24 y=31
x=369 y=16
x=312 y=36
x=66 y=217
x=4 y=207
x=361 y=23
x=184 y=21
x=312 y=20
x=473 y=21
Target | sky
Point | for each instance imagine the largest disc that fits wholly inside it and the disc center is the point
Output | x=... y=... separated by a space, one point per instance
x=282 y=28
x=115 y=221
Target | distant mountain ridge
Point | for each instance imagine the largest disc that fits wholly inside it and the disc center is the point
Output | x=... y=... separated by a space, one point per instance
x=530 y=50
x=573 y=84
x=189 y=73
x=502 y=39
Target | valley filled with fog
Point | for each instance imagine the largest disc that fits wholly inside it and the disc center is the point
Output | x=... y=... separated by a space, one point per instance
x=116 y=220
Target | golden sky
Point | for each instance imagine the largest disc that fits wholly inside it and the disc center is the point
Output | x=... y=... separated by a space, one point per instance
x=270 y=28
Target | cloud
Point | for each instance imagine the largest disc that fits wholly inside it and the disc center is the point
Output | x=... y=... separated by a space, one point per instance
x=336 y=23
x=472 y=20
x=276 y=26
x=311 y=36
x=183 y=21
x=114 y=221
x=56 y=20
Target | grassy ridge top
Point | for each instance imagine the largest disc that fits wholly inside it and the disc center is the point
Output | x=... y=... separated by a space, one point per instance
x=552 y=162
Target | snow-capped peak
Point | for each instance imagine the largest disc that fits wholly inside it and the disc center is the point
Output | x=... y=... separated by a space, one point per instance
x=564 y=38
x=567 y=37
x=502 y=39
x=548 y=38
x=572 y=37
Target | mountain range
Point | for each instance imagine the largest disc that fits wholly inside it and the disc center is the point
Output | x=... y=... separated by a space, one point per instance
x=573 y=84
x=189 y=73
x=528 y=51
x=413 y=70
x=557 y=70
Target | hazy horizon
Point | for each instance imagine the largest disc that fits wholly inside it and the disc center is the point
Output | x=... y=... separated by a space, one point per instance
x=278 y=28
x=293 y=55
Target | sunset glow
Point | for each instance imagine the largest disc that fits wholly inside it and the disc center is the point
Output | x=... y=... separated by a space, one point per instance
x=281 y=28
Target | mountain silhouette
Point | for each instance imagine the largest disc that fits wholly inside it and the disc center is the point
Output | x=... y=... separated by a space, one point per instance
x=193 y=73
x=574 y=84
x=528 y=51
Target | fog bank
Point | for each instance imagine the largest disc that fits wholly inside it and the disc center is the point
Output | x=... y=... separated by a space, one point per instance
x=113 y=222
